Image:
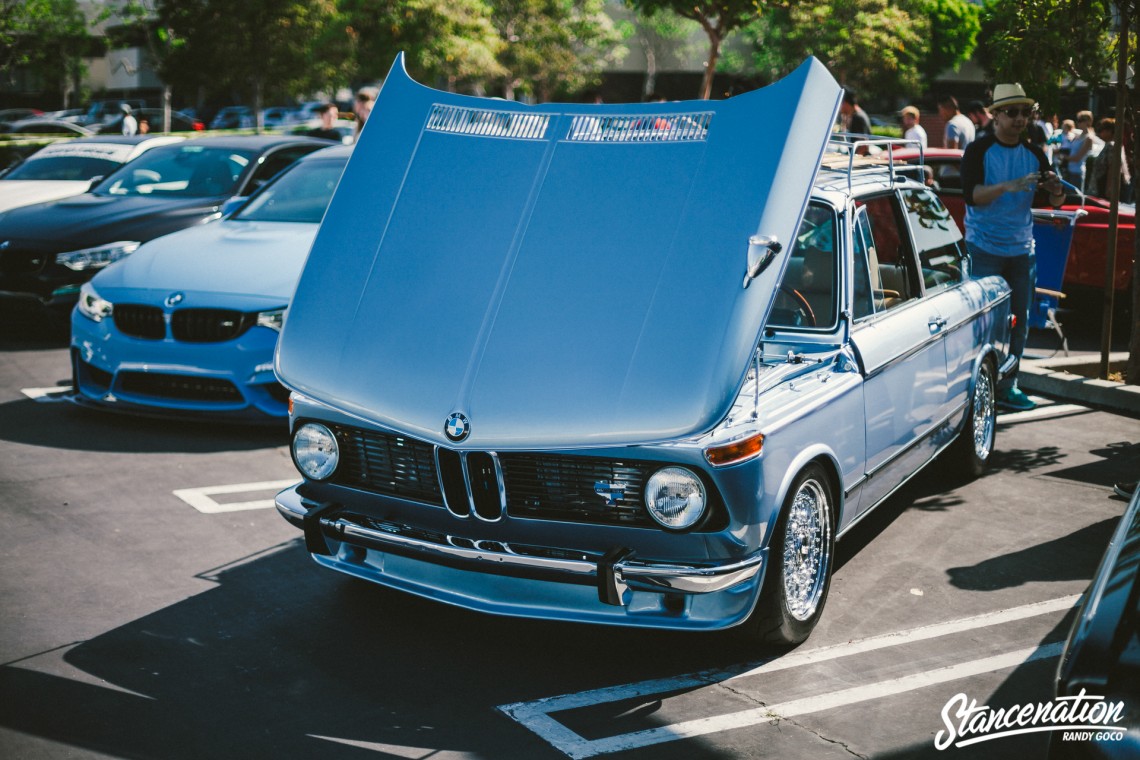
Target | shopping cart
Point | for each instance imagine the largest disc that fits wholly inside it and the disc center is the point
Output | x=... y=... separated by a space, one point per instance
x=1052 y=236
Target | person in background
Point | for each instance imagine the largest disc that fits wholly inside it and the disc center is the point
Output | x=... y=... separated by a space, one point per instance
x=362 y=107
x=144 y=125
x=912 y=129
x=959 y=129
x=855 y=119
x=983 y=122
x=1001 y=175
x=1098 y=173
x=1063 y=140
x=327 y=113
x=1081 y=148
x=130 y=124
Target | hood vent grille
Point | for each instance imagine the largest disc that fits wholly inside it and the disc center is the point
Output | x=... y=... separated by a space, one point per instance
x=678 y=127
x=481 y=122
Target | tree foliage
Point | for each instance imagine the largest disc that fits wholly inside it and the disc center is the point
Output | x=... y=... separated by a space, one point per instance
x=656 y=33
x=1041 y=44
x=553 y=48
x=874 y=46
x=451 y=41
x=718 y=19
x=252 y=49
x=954 y=27
x=45 y=37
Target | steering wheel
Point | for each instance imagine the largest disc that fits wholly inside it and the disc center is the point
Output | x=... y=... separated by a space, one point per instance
x=802 y=309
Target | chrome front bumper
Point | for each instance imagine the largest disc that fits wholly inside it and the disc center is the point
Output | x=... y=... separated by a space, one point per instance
x=614 y=572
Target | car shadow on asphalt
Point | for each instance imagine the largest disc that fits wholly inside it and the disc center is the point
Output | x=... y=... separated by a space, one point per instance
x=1081 y=551
x=285 y=659
x=62 y=425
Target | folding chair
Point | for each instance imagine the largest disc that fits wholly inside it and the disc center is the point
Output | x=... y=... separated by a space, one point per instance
x=1052 y=237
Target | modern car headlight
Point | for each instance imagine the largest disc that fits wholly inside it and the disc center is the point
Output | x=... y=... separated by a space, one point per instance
x=271 y=319
x=315 y=451
x=92 y=306
x=675 y=497
x=97 y=257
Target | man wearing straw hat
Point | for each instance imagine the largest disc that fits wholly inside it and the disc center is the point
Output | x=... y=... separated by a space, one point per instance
x=1001 y=175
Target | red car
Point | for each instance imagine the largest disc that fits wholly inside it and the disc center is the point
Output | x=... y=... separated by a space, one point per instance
x=1085 y=270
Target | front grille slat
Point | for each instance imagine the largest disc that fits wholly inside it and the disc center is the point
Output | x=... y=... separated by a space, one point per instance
x=209 y=325
x=183 y=387
x=566 y=488
x=387 y=464
x=139 y=321
x=554 y=487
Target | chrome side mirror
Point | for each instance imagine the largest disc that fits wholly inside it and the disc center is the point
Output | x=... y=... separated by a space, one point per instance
x=762 y=250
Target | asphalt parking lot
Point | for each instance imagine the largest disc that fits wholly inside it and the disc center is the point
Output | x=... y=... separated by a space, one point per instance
x=154 y=605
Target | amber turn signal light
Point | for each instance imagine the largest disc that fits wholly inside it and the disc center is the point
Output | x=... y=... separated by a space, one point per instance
x=737 y=451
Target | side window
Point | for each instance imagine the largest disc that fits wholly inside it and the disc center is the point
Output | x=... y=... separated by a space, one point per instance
x=809 y=293
x=890 y=260
x=937 y=238
x=864 y=305
x=272 y=165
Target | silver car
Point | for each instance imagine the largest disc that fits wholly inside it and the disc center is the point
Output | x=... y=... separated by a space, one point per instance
x=638 y=365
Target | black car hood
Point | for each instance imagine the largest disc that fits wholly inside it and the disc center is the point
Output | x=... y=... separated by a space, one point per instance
x=88 y=220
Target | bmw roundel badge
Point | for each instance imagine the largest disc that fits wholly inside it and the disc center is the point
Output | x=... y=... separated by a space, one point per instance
x=174 y=299
x=457 y=427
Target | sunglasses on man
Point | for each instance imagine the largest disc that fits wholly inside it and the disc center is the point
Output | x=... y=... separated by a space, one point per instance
x=1013 y=113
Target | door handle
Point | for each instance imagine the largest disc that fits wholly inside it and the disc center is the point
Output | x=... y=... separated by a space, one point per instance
x=936 y=324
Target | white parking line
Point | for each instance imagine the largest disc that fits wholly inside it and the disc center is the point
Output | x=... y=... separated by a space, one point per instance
x=841 y=698
x=201 y=498
x=535 y=715
x=47 y=395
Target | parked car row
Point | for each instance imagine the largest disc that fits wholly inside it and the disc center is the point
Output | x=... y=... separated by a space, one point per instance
x=70 y=167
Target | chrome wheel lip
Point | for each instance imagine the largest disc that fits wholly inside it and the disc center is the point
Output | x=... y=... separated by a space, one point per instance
x=985 y=415
x=807 y=549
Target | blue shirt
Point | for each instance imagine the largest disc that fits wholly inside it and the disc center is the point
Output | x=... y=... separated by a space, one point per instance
x=1003 y=227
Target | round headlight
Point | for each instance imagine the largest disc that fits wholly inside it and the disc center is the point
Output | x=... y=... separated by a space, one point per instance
x=315 y=451
x=675 y=497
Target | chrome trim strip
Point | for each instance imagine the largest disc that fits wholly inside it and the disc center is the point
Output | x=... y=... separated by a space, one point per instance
x=859 y=518
x=917 y=441
x=646 y=575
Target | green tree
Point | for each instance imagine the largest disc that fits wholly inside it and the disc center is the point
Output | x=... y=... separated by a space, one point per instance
x=47 y=38
x=453 y=41
x=257 y=48
x=553 y=48
x=718 y=19
x=954 y=27
x=1041 y=44
x=874 y=46
x=656 y=33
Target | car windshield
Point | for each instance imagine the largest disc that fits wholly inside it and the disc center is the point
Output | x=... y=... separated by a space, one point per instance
x=75 y=168
x=187 y=171
x=299 y=195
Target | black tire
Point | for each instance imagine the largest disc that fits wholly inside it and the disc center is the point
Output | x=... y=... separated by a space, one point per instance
x=799 y=572
x=974 y=445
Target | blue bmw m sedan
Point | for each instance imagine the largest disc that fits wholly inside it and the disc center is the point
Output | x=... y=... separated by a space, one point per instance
x=187 y=324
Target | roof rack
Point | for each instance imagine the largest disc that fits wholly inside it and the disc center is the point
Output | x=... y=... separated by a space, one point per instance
x=843 y=155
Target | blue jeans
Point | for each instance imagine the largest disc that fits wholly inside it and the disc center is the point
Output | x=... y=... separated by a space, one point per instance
x=1021 y=274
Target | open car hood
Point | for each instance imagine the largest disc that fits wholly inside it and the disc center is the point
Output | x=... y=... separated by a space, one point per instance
x=562 y=275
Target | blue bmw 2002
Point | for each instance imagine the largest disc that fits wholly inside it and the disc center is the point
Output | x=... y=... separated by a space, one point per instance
x=626 y=364
x=187 y=324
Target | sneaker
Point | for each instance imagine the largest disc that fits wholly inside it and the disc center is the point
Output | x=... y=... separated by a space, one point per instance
x=1125 y=490
x=1014 y=398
